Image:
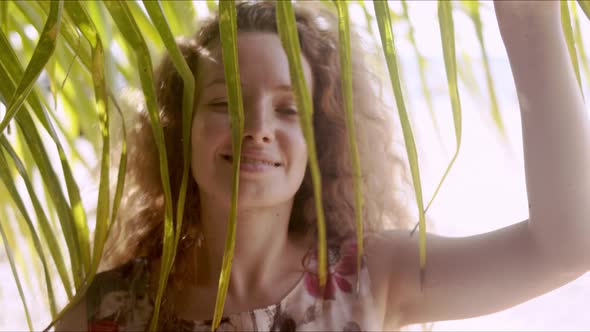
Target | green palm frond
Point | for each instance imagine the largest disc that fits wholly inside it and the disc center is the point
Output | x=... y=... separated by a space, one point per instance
x=157 y=15
x=387 y=39
x=128 y=27
x=288 y=33
x=229 y=51
x=346 y=69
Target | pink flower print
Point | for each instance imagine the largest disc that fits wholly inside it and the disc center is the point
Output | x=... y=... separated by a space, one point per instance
x=341 y=266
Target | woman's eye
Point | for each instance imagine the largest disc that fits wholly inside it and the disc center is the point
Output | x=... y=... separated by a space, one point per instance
x=288 y=110
x=219 y=105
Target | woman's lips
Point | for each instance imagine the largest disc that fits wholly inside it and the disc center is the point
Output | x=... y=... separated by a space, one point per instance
x=253 y=164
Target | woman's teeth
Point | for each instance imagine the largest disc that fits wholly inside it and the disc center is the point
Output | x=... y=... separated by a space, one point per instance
x=249 y=161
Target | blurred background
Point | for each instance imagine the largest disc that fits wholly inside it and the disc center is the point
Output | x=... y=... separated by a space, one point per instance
x=484 y=191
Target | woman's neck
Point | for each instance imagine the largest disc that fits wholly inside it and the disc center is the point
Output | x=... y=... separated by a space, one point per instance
x=263 y=246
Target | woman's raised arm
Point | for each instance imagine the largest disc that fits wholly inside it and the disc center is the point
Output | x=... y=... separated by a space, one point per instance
x=478 y=275
x=556 y=130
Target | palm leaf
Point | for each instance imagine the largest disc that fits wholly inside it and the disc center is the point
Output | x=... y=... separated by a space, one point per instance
x=181 y=16
x=4 y=16
x=447 y=31
x=346 y=69
x=126 y=24
x=421 y=60
x=43 y=52
x=42 y=220
x=568 y=32
x=229 y=51
x=290 y=40
x=579 y=41
x=87 y=28
x=384 y=22
x=9 y=183
x=473 y=12
x=157 y=16
x=16 y=277
x=40 y=156
x=585 y=5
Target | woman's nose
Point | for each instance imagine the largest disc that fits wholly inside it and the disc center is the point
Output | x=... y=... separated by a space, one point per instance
x=257 y=125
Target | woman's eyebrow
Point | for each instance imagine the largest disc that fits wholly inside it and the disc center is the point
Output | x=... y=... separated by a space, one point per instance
x=281 y=87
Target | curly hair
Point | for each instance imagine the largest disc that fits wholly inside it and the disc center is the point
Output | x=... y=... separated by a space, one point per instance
x=139 y=227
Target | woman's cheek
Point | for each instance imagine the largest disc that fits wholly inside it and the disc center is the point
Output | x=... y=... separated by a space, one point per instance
x=211 y=125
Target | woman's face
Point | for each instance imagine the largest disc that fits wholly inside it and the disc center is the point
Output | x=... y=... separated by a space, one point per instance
x=274 y=154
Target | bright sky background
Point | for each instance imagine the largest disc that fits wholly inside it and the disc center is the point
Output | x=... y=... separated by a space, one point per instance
x=484 y=191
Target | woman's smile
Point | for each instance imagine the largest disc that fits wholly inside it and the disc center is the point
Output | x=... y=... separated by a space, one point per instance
x=254 y=162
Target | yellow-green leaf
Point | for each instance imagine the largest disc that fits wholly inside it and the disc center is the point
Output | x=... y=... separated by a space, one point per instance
x=566 y=25
x=41 y=56
x=346 y=70
x=128 y=27
x=384 y=22
x=16 y=277
x=290 y=40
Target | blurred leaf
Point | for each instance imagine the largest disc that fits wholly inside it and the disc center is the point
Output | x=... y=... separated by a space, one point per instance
x=34 y=142
x=212 y=5
x=473 y=12
x=42 y=54
x=566 y=25
x=4 y=16
x=143 y=22
x=16 y=277
x=9 y=183
x=421 y=69
x=585 y=5
x=447 y=33
x=368 y=17
x=185 y=14
x=580 y=42
x=42 y=221
x=83 y=22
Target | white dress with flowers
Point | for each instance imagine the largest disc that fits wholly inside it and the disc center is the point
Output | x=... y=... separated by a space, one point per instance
x=118 y=300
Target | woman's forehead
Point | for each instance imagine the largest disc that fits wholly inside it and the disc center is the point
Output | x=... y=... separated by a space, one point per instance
x=262 y=60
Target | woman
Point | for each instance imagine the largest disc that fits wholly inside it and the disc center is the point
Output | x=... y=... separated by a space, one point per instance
x=273 y=285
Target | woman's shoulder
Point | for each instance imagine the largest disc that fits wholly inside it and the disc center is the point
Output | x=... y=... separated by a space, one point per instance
x=132 y=276
x=387 y=256
x=118 y=299
x=109 y=300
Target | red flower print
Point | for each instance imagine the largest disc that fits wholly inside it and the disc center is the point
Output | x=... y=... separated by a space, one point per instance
x=103 y=326
x=341 y=266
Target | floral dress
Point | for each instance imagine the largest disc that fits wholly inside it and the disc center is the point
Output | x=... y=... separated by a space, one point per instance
x=118 y=300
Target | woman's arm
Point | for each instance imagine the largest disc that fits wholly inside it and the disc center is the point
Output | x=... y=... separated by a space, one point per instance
x=556 y=132
x=478 y=275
